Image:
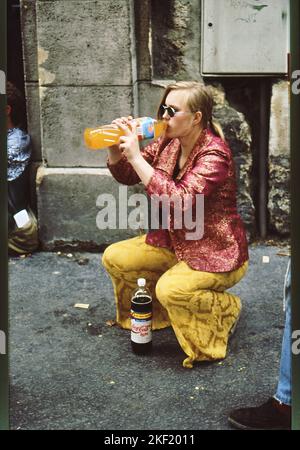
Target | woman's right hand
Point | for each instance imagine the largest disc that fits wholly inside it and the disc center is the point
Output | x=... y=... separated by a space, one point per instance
x=122 y=121
x=114 y=151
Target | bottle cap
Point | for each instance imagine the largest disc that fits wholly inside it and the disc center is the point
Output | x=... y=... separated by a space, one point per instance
x=141 y=282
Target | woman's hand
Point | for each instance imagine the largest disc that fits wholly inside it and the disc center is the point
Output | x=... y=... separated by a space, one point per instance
x=114 y=151
x=129 y=143
x=126 y=120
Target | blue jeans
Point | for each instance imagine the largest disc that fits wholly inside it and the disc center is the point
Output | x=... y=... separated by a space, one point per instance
x=284 y=388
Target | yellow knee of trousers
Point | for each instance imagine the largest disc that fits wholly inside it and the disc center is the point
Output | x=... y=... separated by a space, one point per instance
x=162 y=291
x=108 y=257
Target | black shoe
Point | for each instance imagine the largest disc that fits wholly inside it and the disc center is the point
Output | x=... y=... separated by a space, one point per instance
x=268 y=416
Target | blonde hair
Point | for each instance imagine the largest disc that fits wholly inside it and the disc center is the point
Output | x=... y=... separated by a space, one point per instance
x=198 y=98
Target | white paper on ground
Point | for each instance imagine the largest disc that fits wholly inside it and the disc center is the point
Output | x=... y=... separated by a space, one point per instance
x=22 y=218
x=82 y=305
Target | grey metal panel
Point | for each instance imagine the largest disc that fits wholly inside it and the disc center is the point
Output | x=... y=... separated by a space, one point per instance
x=244 y=37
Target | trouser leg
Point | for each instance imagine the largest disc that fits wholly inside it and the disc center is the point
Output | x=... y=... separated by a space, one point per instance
x=128 y=260
x=201 y=312
x=284 y=388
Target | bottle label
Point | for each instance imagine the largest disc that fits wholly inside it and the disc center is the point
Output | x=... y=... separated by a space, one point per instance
x=145 y=128
x=141 y=327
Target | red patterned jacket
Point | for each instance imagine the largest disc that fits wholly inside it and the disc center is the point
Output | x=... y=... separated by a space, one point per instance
x=209 y=170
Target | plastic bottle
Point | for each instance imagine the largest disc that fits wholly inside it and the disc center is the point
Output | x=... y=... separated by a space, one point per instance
x=107 y=135
x=141 y=319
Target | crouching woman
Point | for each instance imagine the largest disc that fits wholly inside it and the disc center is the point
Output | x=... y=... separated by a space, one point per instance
x=188 y=277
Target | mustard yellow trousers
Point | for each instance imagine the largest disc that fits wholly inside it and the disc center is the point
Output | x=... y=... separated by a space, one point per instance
x=194 y=303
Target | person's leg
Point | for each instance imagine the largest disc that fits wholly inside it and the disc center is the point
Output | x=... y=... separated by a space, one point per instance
x=201 y=313
x=275 y=413
x=128 y=260
x=284 y=388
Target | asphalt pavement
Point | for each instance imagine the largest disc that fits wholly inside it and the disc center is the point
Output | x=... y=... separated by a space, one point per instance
x=71 y=369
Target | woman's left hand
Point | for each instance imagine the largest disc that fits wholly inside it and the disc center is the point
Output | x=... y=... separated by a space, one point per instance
x=129 y=142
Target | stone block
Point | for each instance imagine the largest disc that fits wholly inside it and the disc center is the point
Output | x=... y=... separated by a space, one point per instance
x=34 y=119
x=84 y=42
x=149 y=97
x=142 y=9
x=29 y=39
x=176 y=29
x=238 y=135
x=68 y=211
x=279 y=142
x=279 y=159
x=67 y=111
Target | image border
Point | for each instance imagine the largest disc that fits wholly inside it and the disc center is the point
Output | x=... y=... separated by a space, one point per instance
x=4 y=415
x=295 y=213
x=295 y=217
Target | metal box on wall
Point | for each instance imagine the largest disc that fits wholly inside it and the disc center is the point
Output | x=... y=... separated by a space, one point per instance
x=244 y=37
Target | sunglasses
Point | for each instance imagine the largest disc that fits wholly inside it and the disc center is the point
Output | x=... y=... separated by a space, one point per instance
x=170 y=110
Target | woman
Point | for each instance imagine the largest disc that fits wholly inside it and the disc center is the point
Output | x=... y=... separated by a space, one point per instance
x=188 y=278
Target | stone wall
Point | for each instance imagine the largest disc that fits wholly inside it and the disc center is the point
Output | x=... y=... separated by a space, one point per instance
x=68 y=211
x=85 y=74
x=176 y=29
x=29 y=39
x=79 y=73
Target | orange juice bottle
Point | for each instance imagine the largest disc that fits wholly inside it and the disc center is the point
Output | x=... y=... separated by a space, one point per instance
x=107 y=135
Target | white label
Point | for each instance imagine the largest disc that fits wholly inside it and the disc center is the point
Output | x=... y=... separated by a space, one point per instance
x=141 y=331
x=22 y=218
